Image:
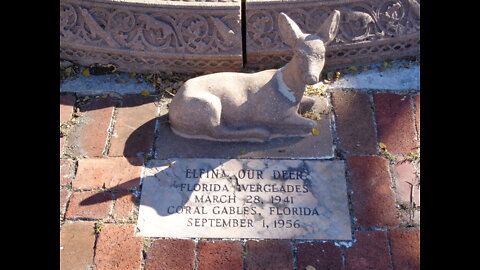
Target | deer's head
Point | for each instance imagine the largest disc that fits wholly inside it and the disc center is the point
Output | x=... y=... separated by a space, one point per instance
x=309 y=49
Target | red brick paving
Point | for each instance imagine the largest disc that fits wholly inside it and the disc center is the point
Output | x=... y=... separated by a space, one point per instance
x=417 y=114
x=89 y=204
x=373 y=199
x=62 y=144
x=354 y=123
x=77 y=242
x=225 y=255
x=134 y=127
x=395 y=122
x=370 y=251
x=98 y=184
x=405 y=246
x=118 y=248
x=124 y=205
x=406 y=182
x=91 y=131
x=64 y=194
x=319 y=255
x=117 y=172
x=67 y=171
x=269 y=254
x=170 y=254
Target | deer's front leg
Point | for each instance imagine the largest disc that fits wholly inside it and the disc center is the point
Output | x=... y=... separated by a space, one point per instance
x=298 y=125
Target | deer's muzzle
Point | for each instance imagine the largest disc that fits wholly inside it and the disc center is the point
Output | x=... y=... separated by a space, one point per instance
x=311 y=79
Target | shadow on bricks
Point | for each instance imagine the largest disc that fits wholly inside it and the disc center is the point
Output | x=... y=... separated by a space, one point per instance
x=101 y=198
x=125 y=188
x=140 y=141
x=119 y=190
x=354 y=122
x=131 y=150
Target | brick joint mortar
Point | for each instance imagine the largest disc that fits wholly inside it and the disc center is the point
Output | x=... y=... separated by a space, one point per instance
x=110 y=131
x=294 y=250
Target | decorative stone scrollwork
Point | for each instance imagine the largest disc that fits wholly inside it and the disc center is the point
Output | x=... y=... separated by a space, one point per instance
x=187 y=30
x=155 y=33
x=359 y=26
x=211 y=29
x=363 y=22
x=128 y=29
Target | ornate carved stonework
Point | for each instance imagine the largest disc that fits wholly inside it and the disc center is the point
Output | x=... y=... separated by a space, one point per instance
x=369 y=29
x=152 y=37
x=206 y=35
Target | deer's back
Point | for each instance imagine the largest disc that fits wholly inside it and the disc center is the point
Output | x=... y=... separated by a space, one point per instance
x=241 y=95
x=227 y=85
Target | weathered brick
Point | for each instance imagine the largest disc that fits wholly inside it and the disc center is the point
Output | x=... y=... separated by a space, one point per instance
x=417 y=114
x=418 y=170
x=90 y=204
x=171 y=254
x=372 y=199
x=66 y=107
x=67 y=171
x=370 y=251
x=395 y=124
x=406 y=182
x=88 y=137
x=62 y=144
x=134 y=128
x=77 y=241
x=124 y=204
x=354 y=122
x=220 y=255
x=116 y=172
x=118 y=248
x=319 y=255
x=64 y=194
x=405 y=248
x=66 y=111
x=269 y=254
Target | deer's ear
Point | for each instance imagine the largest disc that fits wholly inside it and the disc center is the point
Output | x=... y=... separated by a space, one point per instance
x=289 y=30
x=329 y=28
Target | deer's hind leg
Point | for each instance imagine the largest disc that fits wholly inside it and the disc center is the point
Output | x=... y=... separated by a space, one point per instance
x=205 y=122
x=253 y=134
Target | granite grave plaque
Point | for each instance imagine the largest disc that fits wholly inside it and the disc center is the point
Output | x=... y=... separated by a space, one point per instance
x=245 y=198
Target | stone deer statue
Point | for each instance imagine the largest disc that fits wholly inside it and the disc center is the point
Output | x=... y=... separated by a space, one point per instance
x=231 y=106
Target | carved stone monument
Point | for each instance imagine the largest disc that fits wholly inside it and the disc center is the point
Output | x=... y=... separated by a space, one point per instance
x=147 y=36
x=369 y=30
x=235 y=159
x=249 y=198
x=229 y=106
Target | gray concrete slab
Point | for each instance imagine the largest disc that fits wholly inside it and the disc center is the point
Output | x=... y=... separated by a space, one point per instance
x=117 y=83
x=169 y=145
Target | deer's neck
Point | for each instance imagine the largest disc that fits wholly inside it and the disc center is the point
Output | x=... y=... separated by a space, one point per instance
x=290 y=81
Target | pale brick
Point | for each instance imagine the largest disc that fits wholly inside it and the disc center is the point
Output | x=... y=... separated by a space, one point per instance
x=77 y=242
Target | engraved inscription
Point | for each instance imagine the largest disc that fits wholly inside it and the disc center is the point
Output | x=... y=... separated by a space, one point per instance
x=276 y=199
